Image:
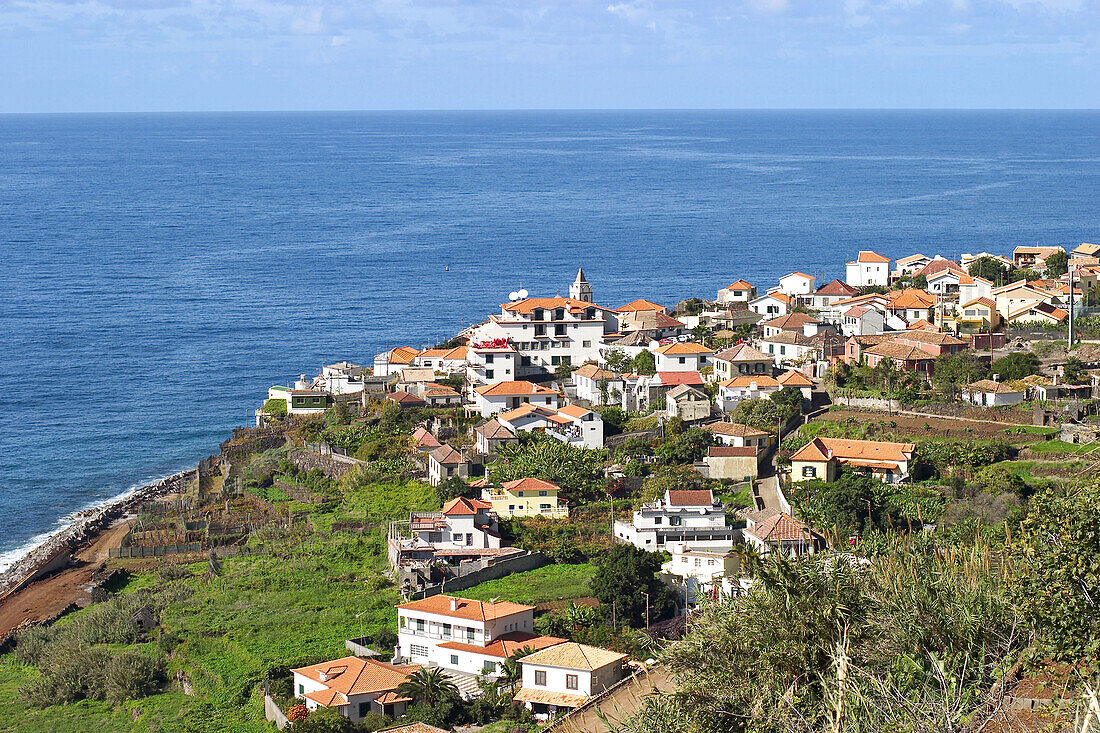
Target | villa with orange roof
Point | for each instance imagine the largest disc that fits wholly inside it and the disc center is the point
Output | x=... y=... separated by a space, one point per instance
x=822 y=459
x=389 y=362
x=772 y=304
x=797 y=284
x=490 y=399
x=354 y=686
x=571 y=424
x=526 y=497
x=682 y=357
x=565 y=676
x=750 y=387
x=738 y=291
x=465 y=637
x=868 y=269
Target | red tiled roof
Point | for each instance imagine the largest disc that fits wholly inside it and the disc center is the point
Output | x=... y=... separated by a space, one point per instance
x=530 y=484
x=866 y=255
x=690 y=497
x=506 y=645
x=679 y=348
x=356 y=675
x=671 y=379
x=791 y=321
x=641 y=305
x=461 y=506
x=513 y=389
x=837 y=287
x=528 y=306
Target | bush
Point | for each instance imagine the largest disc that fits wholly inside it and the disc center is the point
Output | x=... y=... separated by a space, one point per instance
x=275 y=407
x=130 y=675
x=324 y=720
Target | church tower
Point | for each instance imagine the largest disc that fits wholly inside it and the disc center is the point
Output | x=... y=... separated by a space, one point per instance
x=580 y=289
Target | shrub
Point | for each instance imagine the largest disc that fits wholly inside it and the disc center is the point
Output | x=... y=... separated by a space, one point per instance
x=129 y=675
x=275 y=407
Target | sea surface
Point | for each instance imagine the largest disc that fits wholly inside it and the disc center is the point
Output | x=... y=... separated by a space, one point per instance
x=159 y=272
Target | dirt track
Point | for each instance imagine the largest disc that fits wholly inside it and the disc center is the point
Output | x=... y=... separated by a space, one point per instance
x=47 y=597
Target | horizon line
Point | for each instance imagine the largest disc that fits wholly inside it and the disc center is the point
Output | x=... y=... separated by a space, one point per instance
x=406 y=110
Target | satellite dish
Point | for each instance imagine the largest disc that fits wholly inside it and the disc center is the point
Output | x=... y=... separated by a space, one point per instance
x=513 y=295
x=522 y=294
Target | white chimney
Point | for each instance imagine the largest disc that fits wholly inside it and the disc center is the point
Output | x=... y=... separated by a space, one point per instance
x=454 y=604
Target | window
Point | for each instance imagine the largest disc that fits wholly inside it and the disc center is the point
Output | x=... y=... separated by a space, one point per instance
x=544 y=506
x=454 y=660
x=469 y=538
x=543 y=493
x=420 y=625
x=301 y=689
x=683 y=360
x=570 y=681
x=809 y=472
x=540 y=677
x=488 y=373
x=586 y=344
x=418 y=651
x=469 y=635
x=675 y=521
x=446 y=631
x=488 y=358
x=657 y=520
x=489 y=667
x=364 y=708
x=698 y=562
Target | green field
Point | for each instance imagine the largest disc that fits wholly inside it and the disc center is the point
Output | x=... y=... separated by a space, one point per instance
x=549 y=583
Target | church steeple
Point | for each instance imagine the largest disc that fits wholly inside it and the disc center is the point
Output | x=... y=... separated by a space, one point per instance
x=580 y=289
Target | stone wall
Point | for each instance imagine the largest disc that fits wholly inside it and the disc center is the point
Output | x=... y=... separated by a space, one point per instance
x=248 y=441
x=333 y=466
x=499 y=569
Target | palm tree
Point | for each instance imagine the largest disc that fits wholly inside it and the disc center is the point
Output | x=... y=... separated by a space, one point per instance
x=579 y=616
x=511 y=673
x=427 y=687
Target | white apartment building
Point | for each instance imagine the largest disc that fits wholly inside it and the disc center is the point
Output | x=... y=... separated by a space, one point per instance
x=489 y=362
x=564 y=676
x=547 y=332
x=698 y=574
x=797 y=283
x=688 y=516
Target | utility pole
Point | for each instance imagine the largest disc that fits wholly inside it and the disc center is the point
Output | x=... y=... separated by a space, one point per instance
x=1070 y=344
x=646 y=608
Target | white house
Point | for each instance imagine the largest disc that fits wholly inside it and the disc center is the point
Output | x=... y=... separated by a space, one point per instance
x=393 y=360
x=571 y=424
x=343 y=377
x=862 y=320
x=972 y=287
x=490 y=435
x=823 y=298
x=908 y=265
x=799 y=381
x=772 y=304
x=462 y=523
x=691 y=516
x=732 y=391
x=445 y=462
x=300 y=399
x=489 y=362
x=465 y=637
x=354 y=686
x=868 y=269
x=682 y=357
x=989 y=393
x=798 y=322
x=739 y=291
x=564 y=676
x=446 y=361
x=797 y=283
x=694 y=575
x=490 y=399
x=740 y=360
x=771 y=530
x=598 y=386
x=738 y=436
x=791 y=347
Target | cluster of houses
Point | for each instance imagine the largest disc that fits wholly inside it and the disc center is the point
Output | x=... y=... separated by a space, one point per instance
x=468 y=641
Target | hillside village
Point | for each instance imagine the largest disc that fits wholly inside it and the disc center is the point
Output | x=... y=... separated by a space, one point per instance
x=524 y=524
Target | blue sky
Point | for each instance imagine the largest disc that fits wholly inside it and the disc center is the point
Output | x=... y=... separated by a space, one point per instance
x=133 y=55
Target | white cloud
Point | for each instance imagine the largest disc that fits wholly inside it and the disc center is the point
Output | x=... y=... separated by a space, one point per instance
x=340 y=40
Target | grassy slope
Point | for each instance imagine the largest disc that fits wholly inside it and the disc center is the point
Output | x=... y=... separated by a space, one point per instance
x=549 y=583
x=294 y=605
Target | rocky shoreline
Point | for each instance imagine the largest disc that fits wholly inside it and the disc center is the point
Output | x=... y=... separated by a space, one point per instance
x=55 y=550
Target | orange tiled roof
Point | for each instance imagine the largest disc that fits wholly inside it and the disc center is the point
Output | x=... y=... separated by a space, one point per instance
x=528 y=306
x=678 y=348
x=837 y=287
x=791 y=378
x=530 y=484
x=356 y=675
x=574 y=411
x=402 y=355
x=760 y=380
x=791 y=321
x=866 y=255
x=461 y=506
x=641 y=305
x=572 y=655
x=595 y=371
x=900 y=351
x=514 y=389
x=822 y=449
x=465 y=608
x=912 y=298
x=739 y=285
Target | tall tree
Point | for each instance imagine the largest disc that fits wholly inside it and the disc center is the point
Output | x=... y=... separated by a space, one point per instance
x=626 y=579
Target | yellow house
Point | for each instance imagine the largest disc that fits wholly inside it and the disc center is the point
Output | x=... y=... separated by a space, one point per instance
x=978 y=315
x=527 y=497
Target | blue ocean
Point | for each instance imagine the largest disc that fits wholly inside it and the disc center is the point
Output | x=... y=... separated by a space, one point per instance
x=161 y=271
